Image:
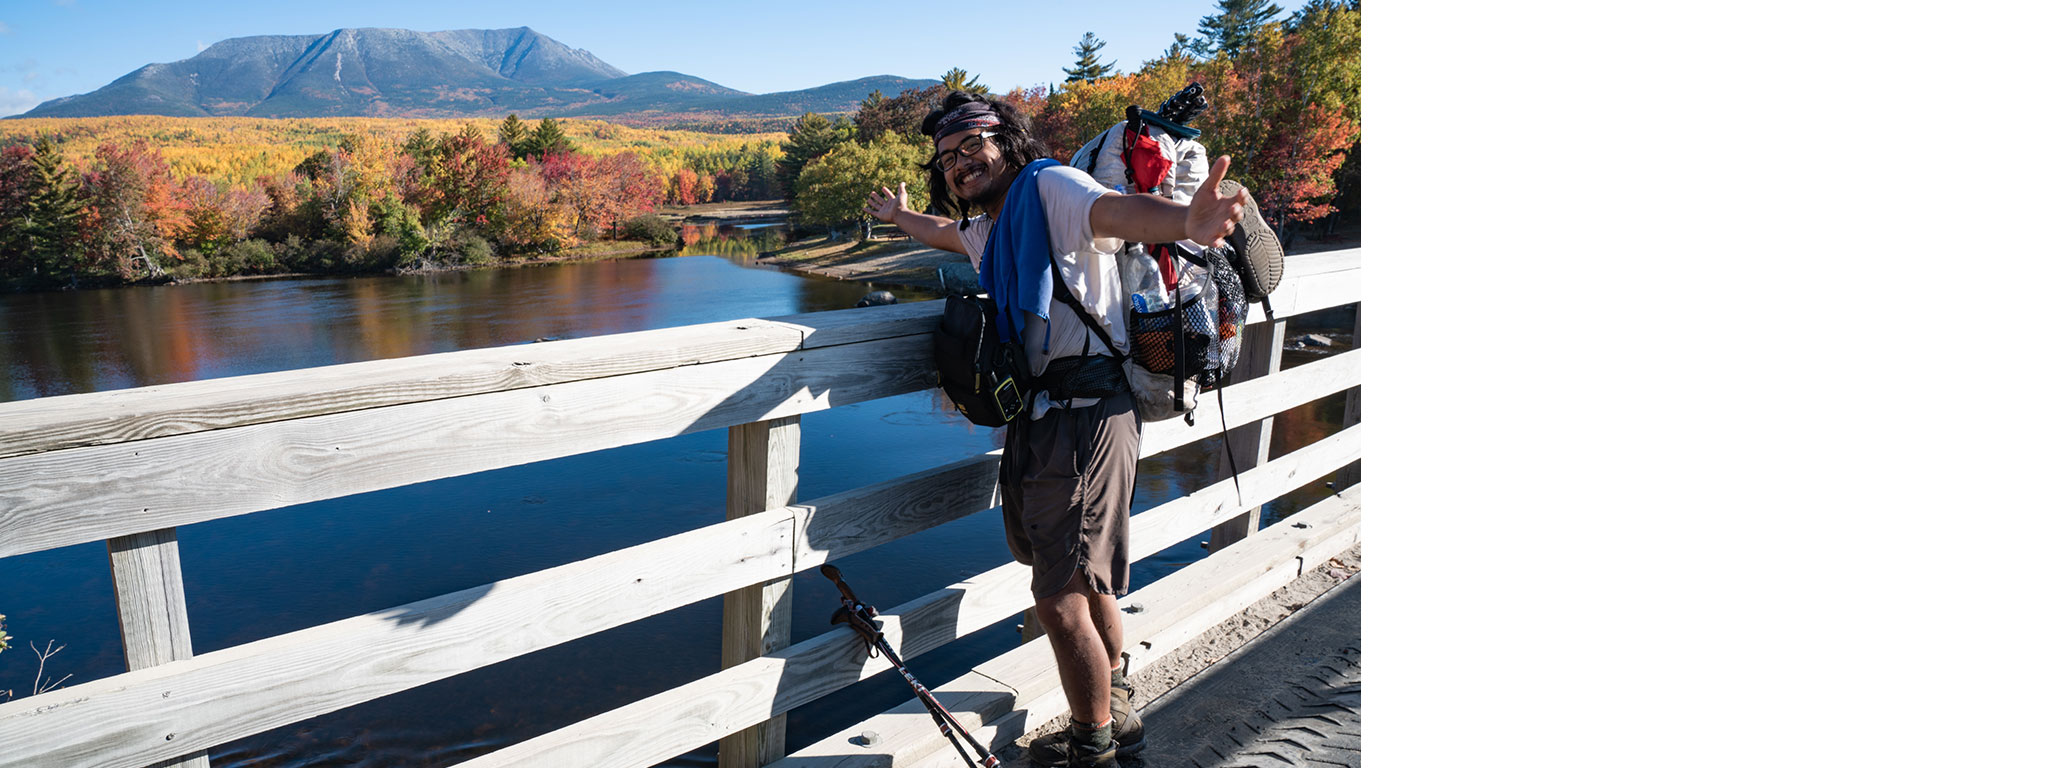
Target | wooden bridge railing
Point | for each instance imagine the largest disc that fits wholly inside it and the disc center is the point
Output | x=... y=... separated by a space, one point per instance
x=128 y=467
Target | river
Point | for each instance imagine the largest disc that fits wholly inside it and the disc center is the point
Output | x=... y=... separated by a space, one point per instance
x=262 y=574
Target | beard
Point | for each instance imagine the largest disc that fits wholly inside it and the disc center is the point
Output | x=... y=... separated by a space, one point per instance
x=994 y=181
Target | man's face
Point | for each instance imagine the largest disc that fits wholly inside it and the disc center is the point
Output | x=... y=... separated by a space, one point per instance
x=977 y=173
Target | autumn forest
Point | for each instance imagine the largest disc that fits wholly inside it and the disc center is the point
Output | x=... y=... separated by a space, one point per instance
x=137 y=199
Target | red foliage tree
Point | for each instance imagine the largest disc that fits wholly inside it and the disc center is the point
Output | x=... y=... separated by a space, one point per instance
x=626 y=189
x=133 y=211
x=600 y=193
x=1286 y=144
x=682 y=187
x=470 y=182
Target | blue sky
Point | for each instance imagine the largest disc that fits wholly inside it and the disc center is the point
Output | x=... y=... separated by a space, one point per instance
x=51 y=48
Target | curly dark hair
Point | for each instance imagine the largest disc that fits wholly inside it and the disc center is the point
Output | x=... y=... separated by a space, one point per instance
x=1012 y=138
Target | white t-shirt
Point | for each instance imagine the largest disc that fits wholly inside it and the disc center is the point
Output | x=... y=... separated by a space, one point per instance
x=1087 y=263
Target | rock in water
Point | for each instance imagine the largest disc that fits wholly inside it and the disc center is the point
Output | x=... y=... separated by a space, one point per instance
x=876 y=299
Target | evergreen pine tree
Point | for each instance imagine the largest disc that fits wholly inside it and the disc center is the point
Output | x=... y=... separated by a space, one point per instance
x=54 y=209
x=1087 y=68
x=1230 y=32
x=511 y=133
x=812 y=137
x=956 y=79
x=545 y=139
x=421 y=145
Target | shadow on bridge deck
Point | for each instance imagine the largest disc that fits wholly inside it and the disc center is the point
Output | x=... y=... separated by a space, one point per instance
x=1288 y=697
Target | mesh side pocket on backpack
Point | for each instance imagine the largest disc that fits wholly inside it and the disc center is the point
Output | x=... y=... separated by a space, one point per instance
x=1230 y=312
x=1156 y=338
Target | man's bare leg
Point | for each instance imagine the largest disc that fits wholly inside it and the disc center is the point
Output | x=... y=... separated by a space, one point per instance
x=1079 y=648
x=1109 y=625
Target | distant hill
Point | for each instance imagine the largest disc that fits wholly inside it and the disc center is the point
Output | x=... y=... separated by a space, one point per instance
x=454 y=73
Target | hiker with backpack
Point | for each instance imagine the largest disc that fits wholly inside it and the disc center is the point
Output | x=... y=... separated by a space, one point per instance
x=1045 y=239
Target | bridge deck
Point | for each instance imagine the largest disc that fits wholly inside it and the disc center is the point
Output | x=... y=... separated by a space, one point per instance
x=1290 y=697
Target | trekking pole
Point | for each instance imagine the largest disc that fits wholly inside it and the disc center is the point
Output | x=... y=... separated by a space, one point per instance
x=860 y=617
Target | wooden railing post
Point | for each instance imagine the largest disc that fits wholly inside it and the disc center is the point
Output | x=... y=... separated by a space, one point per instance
x=761 y=463
x=1352 y=395
x=1249 y=444
x=149 y=591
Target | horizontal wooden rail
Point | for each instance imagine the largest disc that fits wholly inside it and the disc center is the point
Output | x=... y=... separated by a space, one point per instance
x=127 y=415
x=704 y=710
x=243 y=690
x=182 y=475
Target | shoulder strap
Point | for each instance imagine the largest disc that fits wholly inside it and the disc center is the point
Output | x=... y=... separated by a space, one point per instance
x=1094 y=149
x=1059 y=291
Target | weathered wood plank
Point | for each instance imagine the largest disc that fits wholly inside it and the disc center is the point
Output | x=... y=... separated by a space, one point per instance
x=149 y=593
x=100 y=418
x=993 y=699
x=1352 y=413
x=86 y=494
x=69 y=497
x=1255 y=400
x=33 y=426
x=1317 y=281
x=170 y=710
x=67 y=421
x=1248 y=443
x=687 y=717
x=761 y=477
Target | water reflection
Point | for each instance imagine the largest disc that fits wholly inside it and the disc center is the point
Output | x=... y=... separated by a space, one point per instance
x=86 y=341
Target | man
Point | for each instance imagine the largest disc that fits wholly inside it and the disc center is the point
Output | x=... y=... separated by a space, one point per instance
x=1045 y=239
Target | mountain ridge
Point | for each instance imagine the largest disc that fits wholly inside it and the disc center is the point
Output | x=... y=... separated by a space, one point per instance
x=388 y=72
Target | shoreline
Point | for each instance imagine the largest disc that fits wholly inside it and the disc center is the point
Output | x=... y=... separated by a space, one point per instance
x=894 y=259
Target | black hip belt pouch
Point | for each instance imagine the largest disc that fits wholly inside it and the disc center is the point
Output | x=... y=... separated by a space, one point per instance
x=1091 y=376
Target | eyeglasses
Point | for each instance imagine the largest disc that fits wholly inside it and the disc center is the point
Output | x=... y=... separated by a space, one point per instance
x=947 y=158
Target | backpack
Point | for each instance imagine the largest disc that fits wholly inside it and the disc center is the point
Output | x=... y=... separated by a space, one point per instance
x=984 y=378
x=1185 y=308
x=1183 y=320
x=1146 y=168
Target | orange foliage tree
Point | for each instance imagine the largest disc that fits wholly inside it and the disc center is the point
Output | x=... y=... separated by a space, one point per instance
x=133 y=212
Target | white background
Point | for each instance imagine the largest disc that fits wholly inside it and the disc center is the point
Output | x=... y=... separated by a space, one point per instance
x=1707 y=383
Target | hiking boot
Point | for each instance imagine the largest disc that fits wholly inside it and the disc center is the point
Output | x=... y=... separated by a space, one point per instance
x=1124 y=723
x=1258 y=249
x=1067 y=749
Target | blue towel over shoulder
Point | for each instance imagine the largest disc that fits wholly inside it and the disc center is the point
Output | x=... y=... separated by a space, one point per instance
x=1016 y=265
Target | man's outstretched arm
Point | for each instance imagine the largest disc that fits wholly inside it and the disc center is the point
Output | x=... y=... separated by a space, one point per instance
x=1205 y=219
x=935 y=231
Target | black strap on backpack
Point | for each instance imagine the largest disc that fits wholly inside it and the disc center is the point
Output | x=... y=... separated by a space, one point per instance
x=1059 y=291
x=1094 y=149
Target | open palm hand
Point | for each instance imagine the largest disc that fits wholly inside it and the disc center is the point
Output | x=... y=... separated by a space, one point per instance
x=884 y=205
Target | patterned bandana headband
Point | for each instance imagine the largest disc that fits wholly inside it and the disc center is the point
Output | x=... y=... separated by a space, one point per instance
x=973 y=114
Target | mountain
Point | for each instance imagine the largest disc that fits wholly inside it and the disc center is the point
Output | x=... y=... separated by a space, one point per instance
x=454 y=73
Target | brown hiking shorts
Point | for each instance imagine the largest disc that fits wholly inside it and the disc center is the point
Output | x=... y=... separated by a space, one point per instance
x=1067 y=480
